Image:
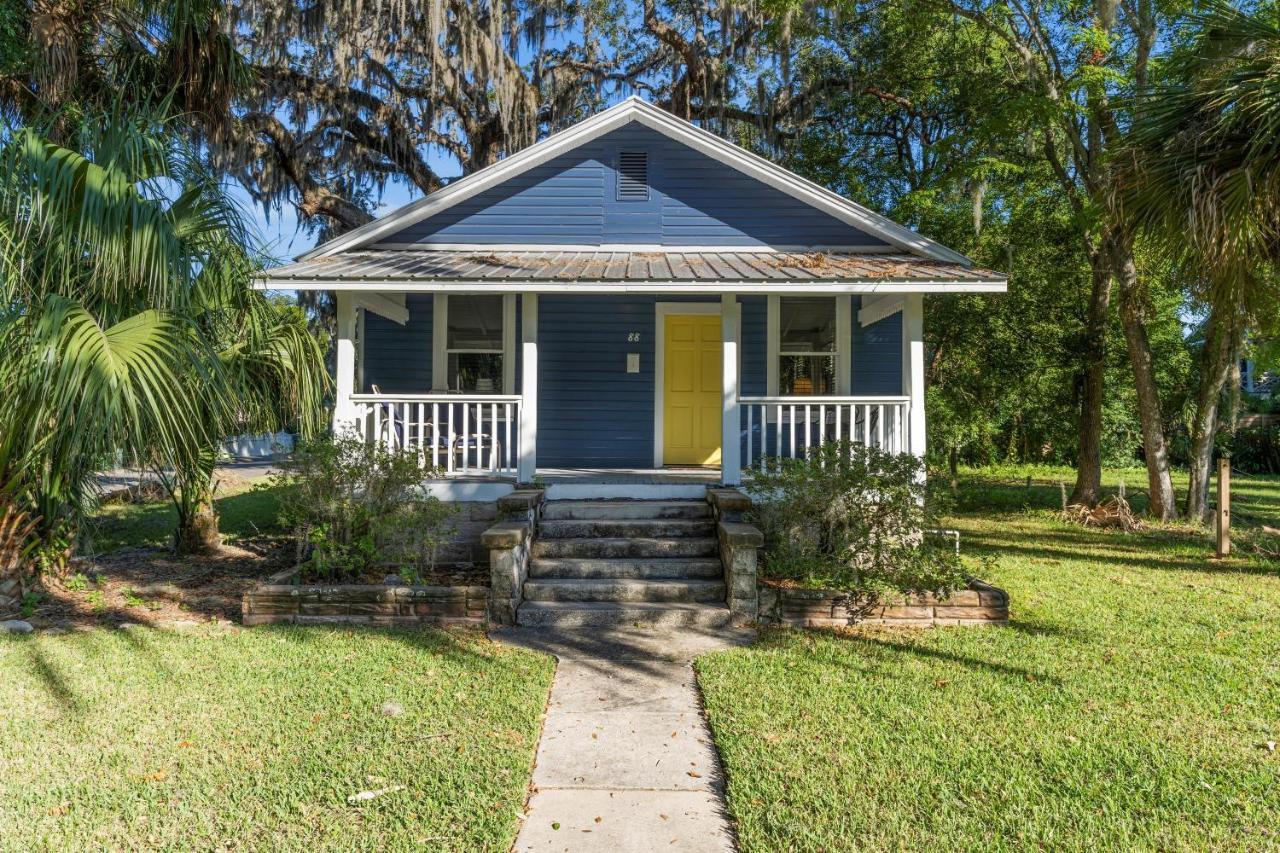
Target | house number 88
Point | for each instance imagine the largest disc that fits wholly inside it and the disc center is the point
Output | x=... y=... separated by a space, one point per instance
x=633 y=337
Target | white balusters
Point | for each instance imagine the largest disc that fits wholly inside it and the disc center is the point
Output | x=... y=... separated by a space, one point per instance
x=799 y=424
x=464 y=435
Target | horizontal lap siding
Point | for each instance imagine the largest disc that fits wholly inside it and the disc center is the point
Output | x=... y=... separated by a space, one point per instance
x=877 y=355
x=591 y=412
x=398 y=358
x=695 y=200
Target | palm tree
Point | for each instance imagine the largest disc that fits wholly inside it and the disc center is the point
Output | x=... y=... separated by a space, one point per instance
x=274 y=372
x=1203 y=179
x=127 y=320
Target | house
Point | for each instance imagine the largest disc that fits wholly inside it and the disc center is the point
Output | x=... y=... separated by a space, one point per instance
x=633 y=302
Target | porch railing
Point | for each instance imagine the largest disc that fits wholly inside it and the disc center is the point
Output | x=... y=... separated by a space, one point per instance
x=461 y=434
x=788 y=427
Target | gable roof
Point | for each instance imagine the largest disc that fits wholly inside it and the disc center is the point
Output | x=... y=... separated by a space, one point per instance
x=635 y=109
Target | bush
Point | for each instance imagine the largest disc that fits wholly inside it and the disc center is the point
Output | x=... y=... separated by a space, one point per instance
x=852 y=518
x=359 y=508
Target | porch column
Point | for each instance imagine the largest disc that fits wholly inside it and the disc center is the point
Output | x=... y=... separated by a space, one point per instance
x=731 y=422
x=528 y=462
x=344 y=413
x=913 y=369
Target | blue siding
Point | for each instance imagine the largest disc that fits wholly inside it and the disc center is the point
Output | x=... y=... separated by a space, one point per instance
x=398 y=358
x=876 y=355
x=591 y=412
x=695 y=200
x=755 y=346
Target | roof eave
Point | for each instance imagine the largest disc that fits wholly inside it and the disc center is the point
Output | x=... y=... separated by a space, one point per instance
x=745 y=288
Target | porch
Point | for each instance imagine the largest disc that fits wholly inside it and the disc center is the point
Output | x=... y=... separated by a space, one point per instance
x=599 y=396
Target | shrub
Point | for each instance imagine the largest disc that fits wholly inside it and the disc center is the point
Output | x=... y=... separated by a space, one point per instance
x=852 y=518
x=358 y=508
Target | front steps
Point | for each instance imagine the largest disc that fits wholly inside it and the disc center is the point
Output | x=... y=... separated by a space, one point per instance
x=603 y=563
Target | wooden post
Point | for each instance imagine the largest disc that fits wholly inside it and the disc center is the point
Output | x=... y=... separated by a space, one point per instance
x=1224 y=507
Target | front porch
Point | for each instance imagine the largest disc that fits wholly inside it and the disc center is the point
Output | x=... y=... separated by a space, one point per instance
x=597 y=398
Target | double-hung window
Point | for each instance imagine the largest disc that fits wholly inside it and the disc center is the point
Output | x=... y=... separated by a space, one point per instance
x=808 y=346
x=475 y=344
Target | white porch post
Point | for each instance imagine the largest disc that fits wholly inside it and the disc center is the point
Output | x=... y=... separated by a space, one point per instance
x=913 y=369
x=528 y=462
x=730 y=451
x=344 y=414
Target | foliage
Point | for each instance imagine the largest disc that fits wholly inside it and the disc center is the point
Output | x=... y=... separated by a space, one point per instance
x=104 y=244
x=853 y=518
x=358 y=507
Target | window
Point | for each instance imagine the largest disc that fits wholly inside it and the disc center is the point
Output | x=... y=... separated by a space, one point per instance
x=633 y=176
x=807 y=351
x=474 y=344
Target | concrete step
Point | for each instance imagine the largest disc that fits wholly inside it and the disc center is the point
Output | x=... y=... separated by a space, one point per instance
x=691 y=568
x=580 y=614
x=623 y=590
x=651 y=528
x=626 y=547
x=600 y=510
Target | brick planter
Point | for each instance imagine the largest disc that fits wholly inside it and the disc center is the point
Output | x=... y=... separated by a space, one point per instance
x=980 y=604
x=280 y=600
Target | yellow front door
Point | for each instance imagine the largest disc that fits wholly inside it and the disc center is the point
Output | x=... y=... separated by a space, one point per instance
x=691 y=413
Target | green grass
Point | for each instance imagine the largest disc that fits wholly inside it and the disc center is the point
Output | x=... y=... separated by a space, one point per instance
x=1127 y=706
x=248 y=511
x=254 y=739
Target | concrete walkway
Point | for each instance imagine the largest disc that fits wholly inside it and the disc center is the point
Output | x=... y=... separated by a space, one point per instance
x=626 y=762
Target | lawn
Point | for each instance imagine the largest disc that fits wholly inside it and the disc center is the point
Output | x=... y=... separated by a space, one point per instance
x=245 y=509
x=254 y=739
x=1128 y=706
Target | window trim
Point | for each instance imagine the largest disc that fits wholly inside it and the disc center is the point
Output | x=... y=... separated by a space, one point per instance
x=440 y=339
x=844 y=344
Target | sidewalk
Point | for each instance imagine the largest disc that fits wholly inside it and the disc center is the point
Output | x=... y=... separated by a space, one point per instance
x=626 y=761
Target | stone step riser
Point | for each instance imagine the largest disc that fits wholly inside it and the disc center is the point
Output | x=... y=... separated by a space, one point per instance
x=672 y=569
x=531 y=614
x=619 y=528
x=626 y=591
x=620 y=548
x=624 y=510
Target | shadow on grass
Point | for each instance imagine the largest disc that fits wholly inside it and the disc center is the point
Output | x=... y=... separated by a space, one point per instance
x=250 y=513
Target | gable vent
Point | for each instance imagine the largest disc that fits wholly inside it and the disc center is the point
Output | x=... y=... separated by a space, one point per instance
x=633 y=175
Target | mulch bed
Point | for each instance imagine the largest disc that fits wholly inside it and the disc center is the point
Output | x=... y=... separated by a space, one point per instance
x=153 y=586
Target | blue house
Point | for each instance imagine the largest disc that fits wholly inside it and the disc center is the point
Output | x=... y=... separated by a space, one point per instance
x=632 y=302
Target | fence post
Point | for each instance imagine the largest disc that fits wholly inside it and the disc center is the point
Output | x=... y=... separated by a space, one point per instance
x=1223 y=515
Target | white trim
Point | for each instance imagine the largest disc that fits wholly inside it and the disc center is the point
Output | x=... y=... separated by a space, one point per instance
x=551 y=249
x=660 y=313
x=844 y=345
x=344 y=416
x=389 y=305
x=633 y=491
x=527 y=461
x=913 y=370
x=730 y=387
x=877 y=309
x=462 y=490
x=635 y=109
x=646 y=288
x=440 y=339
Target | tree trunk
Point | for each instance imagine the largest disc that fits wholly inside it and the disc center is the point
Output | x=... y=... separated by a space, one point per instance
x=1088 y=488
x=1164 y=503
x=197 y=531
x=1219 y=348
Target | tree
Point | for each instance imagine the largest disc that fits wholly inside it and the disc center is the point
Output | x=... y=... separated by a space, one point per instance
x=1074 y=60
x=98 y=263
x=1202 y=176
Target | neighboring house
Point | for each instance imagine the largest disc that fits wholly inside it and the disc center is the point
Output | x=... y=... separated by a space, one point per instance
x=629 y=295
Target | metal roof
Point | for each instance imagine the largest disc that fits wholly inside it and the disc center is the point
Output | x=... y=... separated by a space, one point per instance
x=636 y=267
